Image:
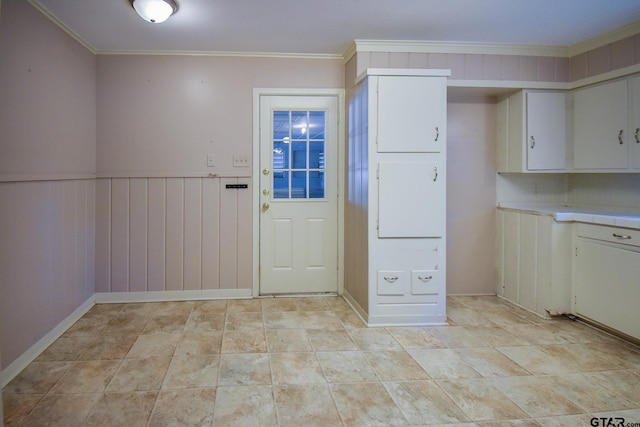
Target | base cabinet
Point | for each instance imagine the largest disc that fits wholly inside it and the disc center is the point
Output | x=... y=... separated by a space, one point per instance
x=534 y=262
x=607 y=272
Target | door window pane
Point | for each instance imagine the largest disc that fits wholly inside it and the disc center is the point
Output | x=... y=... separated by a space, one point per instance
x=298 y=154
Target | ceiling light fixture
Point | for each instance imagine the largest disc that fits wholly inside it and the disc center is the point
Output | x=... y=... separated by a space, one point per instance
x=155 y=11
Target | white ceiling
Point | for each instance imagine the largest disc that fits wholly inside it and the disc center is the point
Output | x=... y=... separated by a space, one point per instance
x=329 y=26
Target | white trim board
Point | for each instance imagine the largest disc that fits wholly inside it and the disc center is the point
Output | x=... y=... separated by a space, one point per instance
x=15 y=367
x=162 y=296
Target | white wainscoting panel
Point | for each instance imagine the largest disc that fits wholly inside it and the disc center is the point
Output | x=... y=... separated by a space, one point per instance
x=172 y=234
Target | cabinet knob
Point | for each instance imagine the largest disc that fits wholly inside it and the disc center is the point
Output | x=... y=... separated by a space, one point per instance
x=425 y=278
x=533 y=142
x=620 y=136
x=390 y=279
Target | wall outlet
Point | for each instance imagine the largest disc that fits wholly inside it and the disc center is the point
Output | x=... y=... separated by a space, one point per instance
x=241 y=161
x=211 y=161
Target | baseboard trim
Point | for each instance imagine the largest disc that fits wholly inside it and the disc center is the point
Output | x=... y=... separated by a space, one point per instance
x=159 y=296
x=10 y=372
x=360 y=312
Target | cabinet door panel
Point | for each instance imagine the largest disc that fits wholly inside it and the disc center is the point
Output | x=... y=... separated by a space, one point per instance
x=600 y=113
x=411 y=199
x=606 y=286
x=546 y=131
x=411 y=114
x=634 y=137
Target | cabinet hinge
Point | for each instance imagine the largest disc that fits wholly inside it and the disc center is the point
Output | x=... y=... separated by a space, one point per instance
x=377 y=173
x=576 y=251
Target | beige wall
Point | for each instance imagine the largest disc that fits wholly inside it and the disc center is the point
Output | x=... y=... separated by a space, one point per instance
x=47 y=131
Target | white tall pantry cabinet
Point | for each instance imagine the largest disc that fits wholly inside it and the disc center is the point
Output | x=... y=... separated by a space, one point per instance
x=403 y=124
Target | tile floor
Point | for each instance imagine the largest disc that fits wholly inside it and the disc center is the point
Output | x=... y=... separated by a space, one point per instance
x=311 y=362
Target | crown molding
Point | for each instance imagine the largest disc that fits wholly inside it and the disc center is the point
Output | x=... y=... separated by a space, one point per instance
x=280 y=55
x=62 y=25
x=418 y=46
x=605 y=39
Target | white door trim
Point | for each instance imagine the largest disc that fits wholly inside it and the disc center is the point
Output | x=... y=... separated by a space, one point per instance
x=257 y=93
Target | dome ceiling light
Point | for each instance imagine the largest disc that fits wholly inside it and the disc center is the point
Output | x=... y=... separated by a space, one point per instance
x=155 y=11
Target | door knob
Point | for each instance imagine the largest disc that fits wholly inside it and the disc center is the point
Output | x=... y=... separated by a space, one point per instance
x=265 y=192
x=265 y=171
x=265 y=206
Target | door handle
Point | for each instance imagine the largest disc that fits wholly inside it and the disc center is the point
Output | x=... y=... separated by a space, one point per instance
x=533 y=142
x=636 y=134
x=265 y=171
x=265 y=206
x=435 y=176
x=620 y=137
x=437 y=134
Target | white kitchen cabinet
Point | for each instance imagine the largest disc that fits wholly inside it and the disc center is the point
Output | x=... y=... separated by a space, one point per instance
x=600 y=127
x=402 y=170
x=532 y=132
x=607 y=268
x=634 y=127
x=534 y=262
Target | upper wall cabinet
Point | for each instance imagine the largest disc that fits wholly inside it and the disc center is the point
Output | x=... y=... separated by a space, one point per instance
x=532 y=132
x=411 y=114
x=600 y=127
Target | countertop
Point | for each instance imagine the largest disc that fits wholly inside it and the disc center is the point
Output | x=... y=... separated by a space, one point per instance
x=627 y=218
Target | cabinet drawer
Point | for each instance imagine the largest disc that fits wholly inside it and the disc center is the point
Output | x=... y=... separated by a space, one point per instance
x=618 y=235
x=392 y=282
x=425 y=282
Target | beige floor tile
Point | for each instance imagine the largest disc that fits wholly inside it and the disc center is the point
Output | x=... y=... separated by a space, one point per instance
x=87 y=377
x=244 y=305
x=590 y=395
x=244 y=341
x=140 y=375
x=145 y=309
x=245 y=406
x=465 y=316
x=283 y=320
x=17 y=406
x=350 y=320
x=37 y=378
x=244 y=369
x=565 y=421
x=205 y=322
x=338 y=340
x=185 y=408
x=306 y=405
x=171 y=324
x=509 y=423
x=88 y=327
x=174 y=308
x=192 y=372
x=415 y=337
x=122 y=409
x=156 y=345
x=536 y=396
x=395 y=366
x=495 y=336
x=278 y=304
x=580 y=356
x=296 y=368
x=125 y=324
x=109 y=347
x=423 y=402
x=104 y=310
x=322 y=320
x=536 y=334
x=194 y=344
x=338 y=304
x=624 y=355
x=480 y=400
x=443 y=363
x=374 y=339
x=66 y=348
x=503 y=316
x=630 y=417
x=577 y=333
x=209 y=307
x=622 y=381
x=366 y=404
x=346 y=367
x=68 y=410
x=287 y=340
x=244 y=321
x=459 y=337
x=312 y=304
x=489 y=362
x=536 y=361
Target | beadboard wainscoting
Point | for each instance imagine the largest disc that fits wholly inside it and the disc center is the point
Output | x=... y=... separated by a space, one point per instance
x=173 y=234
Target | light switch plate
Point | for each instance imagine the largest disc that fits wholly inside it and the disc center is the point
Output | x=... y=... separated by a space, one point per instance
x=241 y=161
x=211 y=160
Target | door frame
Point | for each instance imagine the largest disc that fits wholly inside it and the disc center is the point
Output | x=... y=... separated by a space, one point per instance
x=339 y=94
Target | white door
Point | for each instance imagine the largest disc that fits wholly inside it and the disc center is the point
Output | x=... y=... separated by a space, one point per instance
x=298 y=194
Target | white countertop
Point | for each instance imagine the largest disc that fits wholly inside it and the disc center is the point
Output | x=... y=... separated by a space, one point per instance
x=627 y=218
